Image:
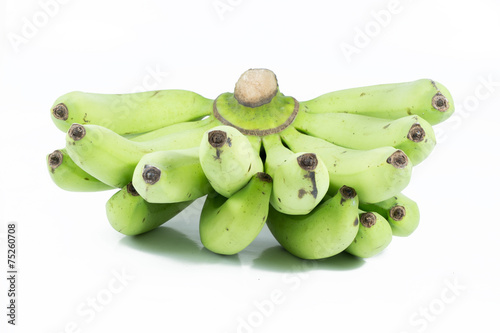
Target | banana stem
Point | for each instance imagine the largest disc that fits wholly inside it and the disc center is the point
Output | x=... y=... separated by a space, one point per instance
x=256 y=87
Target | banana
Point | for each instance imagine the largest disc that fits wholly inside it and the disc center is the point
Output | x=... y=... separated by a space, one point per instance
x=129 y=113
x=326 y=231
x=130 y=214
x=401 y=212
x=205 y=123
x=229 y=159
x=227 y=226
x=300 y=179
x=411 y=134
x=111 y=158
x=373 y=236
x=376 y=174
x=170 y=176
x=425 y=98
x=69 y=176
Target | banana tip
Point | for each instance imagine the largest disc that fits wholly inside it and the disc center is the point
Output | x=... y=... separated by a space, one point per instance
x=60 y=111
x=264 y=177
x=217 y=138
x=55 y=159
x=131 y=190
x=416 y=133
x=151 y=174
x=77 y=132
x=347 y=192
x=440 y=102
x=308 y=161
x=398 y=159
x=368 y=220
x=397 y=213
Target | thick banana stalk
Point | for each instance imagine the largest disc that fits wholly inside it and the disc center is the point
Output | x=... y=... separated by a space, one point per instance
x=411 y=134
x=373 y=236
x=326 y=231
x=401 y=212
x=129 y=113
x=227 y=226
x=130 y=214
x=170 y=176
x=69 y=176
x=376 y=174
x=300 y=179
x=111 y=158
x=425 y=98
x=229 y=159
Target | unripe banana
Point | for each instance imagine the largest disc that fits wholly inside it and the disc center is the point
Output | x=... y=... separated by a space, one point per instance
x=401 y=212
x=111 y=158
x=129 y=113
x=411 y=134
x=425 y=98
x=69 y=176
x=326 y=231
x=373 y=236
x=229 y=159
x=227 y=226
x=300 y=179
x=170 y=176
x=376 y=174
x=205 y=123
x=130 y=214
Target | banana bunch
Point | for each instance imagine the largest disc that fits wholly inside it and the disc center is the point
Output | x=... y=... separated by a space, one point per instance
x=326 y=175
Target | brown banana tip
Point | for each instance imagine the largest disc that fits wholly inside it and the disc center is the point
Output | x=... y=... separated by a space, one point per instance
x=440 y=102
x=217 y=138
x=60 y=111
x=398 y=159
x=151 y=174
x=264 y=177
x=397 y=213
x=77 y=132
x=347 y=192
x=256 y=87
x=416 y=133
x=55 y=159
x=368 y=220
x=131 y=190
x=308 y=161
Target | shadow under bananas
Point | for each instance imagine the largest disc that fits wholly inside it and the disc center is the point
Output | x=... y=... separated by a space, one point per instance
x=171 y=243
x=279 y=260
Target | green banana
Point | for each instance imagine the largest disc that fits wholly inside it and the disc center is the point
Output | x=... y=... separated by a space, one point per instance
x=111 y=158
x=326 y=231
x=130 y=214
x=300 y=179
x=129 y=113
x=411 y=134
x=229 y=159
x=376 y=174
x=373 y=236
x=425 y=98
x=170 y=176
x=69 y=176
x=227 y=226
x=401 y=212
x=205 y=123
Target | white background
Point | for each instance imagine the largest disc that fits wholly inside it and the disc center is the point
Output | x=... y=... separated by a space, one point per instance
x=443 y=278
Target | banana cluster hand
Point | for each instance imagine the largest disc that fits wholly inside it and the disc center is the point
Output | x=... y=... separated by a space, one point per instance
x=326 y=175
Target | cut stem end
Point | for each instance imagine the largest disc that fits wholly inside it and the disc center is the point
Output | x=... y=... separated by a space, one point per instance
x=256 y=87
